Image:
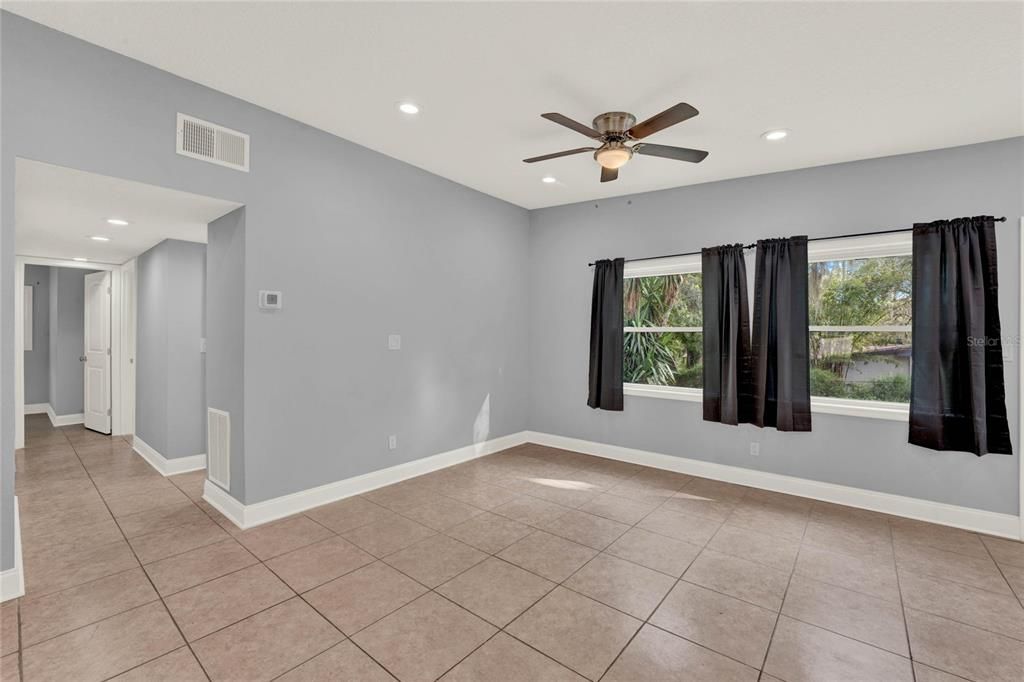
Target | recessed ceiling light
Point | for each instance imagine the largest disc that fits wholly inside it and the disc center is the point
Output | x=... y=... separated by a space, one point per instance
x=99 y=238
x=548 y=179
x=408 y=108
x=775 y=135
x=80 y=260
x=117 y=221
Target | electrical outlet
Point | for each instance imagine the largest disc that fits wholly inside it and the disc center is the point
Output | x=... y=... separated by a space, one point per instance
x=392 y=442
x=755 y=449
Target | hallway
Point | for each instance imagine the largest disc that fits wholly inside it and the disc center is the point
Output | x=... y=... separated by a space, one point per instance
x=533 y=563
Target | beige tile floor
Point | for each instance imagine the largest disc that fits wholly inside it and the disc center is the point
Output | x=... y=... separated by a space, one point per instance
x=531 y=564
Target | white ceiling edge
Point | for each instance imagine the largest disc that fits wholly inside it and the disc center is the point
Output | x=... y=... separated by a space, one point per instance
x=853 y=81
x=57 y=211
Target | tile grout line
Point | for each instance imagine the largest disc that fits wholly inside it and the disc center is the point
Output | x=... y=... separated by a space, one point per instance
x=903 y=606
x=150 y=580
x=782 y=604
x=721 y=523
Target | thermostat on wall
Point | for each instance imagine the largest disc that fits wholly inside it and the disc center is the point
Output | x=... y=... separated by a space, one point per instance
x=270 y=300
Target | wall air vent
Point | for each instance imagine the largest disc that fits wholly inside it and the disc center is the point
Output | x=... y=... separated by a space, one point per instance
x=206 y=141
x=218 y=447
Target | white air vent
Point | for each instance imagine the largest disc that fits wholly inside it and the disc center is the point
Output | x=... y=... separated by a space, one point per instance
x=206 y=141
x=218 y=447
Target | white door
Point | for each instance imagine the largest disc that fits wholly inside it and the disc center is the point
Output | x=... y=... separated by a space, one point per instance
x=97 y=352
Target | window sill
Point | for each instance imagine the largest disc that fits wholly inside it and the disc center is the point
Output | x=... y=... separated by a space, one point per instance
x=693 y=395
x=850 y=408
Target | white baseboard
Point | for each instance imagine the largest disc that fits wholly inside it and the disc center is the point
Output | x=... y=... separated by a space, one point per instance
x=981 y=521
x=167 y=466
x=38 y=408
x=12 y=581
x=64 y=419
x=249 y=515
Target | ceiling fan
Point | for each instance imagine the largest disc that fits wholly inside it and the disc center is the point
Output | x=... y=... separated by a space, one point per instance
x=616 y=129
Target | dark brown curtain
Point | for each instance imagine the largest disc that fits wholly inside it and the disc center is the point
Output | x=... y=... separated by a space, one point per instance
x=957 y=396
x=726 y=335
x=606 y=336
x=780 y=366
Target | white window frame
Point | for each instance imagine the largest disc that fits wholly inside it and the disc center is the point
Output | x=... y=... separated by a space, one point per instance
x=846 y=248
x=849 y=248
x=677 y=265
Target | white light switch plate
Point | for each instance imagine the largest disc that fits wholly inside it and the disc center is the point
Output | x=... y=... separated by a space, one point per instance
x=394 y=342
x=202 y=345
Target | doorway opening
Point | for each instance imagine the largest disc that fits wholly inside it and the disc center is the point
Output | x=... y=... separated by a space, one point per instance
x=76 y=335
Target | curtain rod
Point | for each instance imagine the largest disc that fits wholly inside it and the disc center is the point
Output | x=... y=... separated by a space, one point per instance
x=813 y=239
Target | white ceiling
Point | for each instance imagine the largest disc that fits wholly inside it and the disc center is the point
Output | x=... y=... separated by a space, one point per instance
x=57 y=210
x=851 y=80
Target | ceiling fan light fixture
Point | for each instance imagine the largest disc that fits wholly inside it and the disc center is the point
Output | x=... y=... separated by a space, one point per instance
x=613 y=155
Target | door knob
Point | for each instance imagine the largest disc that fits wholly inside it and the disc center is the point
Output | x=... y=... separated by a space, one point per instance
x=82 y=359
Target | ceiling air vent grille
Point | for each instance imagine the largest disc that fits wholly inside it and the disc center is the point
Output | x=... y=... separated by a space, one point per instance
x=198 y=139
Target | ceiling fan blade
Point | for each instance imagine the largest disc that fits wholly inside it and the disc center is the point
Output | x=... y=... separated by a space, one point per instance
x=669 y=117
x=569 y=152
x=574 y=125
x=666 y=152
x=609 y=174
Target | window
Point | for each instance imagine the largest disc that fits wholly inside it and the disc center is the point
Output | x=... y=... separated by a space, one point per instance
x=663 y=340
x=859 y=291
x=860 y=312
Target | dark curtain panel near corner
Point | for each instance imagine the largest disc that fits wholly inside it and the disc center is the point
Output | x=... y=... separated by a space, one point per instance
x=957 y=399
x=780 y=365
x=726 y=319
x=606 y=336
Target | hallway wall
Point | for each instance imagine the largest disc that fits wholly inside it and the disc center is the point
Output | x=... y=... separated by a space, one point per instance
x=37 y=360
x=225 y=331
x=326 y=220
x=170 y=392
x=67 y=340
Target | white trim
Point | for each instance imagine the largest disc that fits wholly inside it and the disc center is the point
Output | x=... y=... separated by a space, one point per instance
x=992 y=523
x=1020 y=380
x=38 y=408
x=249 y=515
x=868 y=246
x=12 y=581
x=19 y=355
x=64 y=419
x=906 y=328
x=698 y=330
x=653 y=267
x=63 y=263
x=27 y=322
x=167 y=466
x=694 y=395
x=868 y=409
x=123 y=333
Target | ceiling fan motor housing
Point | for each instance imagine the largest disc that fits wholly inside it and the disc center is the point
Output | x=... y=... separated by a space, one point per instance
x=614 y=123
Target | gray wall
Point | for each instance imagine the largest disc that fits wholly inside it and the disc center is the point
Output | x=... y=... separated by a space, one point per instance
x=829 y=200
x=170 y=394
x=225 y=331
x=67 y=340
x=362 y=245
x=37 y=360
